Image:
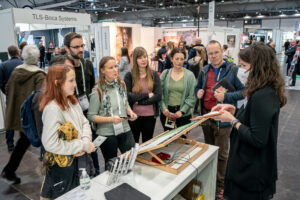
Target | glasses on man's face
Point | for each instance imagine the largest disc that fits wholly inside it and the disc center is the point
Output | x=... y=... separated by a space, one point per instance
x=213 y=53
x=77 y=47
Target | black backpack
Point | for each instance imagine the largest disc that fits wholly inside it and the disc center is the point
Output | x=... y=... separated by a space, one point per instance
x=28 y=122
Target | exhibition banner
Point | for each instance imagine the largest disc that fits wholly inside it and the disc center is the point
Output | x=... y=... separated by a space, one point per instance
x=123 y=39
x=30 y=16
x=188 y=36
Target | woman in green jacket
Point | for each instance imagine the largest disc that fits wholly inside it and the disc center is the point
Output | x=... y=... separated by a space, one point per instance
x=178 y=98
x=110 y=111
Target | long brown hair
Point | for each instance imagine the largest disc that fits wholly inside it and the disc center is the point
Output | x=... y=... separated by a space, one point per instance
x=202 y=53
x=54 y=91
x=264 y=70
x=124 y=52
x=137 y=87
x=102 y=63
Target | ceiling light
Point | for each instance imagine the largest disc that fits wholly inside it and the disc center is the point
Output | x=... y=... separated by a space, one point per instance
x=222 y=18
x=247 y=17
x=222 y=1
x=106 y=13
x=92 y=4
x=184 y=20
x=161 y=22
x=62 y=9
x=76 y=10
x=161 y=4
x=196 y=1
x=297 y=14
x=282 y=15
x=260 y=16
x=94 y=7
x=204 y=2
x=105 y=5
x=143 y=1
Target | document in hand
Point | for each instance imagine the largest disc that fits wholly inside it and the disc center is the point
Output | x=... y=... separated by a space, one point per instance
x=225 y=84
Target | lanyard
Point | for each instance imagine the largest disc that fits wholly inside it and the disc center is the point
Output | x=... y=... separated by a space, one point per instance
x=119 y=105
x=219 y=73
x=83 y=78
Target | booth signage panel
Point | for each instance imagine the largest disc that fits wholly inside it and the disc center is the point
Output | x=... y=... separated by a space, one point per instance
x=50 y=17
x=211 y=14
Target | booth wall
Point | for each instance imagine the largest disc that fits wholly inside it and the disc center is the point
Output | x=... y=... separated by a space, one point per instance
x=147 y=39
x=7 y=33
x=158 y=33
x=136 y=34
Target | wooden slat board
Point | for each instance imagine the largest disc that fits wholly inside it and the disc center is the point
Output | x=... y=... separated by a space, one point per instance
x=164 y=141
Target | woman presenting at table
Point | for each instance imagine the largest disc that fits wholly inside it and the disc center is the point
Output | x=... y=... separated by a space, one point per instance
x=252 y=163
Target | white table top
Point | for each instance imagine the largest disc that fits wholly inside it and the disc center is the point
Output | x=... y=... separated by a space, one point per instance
x=151 y=181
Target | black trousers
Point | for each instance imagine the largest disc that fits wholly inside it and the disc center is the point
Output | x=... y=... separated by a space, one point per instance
x=144 y=125
x=17 y=155
x=288 y=68
x=179 y=121
x=42 y=63
x=110 y=146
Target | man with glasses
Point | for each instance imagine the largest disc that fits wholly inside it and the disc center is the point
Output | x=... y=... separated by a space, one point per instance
x=215 y=132
x=85 y=76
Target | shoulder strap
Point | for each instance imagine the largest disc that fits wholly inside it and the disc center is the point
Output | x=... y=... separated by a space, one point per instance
x=99 y=93
x=166 y=74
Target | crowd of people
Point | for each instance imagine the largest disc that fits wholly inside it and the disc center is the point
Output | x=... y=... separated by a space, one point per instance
x=124 y=103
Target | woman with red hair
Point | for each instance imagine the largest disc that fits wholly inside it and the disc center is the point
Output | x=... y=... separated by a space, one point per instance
x=59 y=105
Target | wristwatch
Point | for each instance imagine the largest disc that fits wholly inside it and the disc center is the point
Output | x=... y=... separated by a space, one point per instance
x=234 y=122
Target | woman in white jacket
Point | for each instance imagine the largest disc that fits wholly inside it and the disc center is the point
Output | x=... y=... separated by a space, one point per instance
x=59 y=105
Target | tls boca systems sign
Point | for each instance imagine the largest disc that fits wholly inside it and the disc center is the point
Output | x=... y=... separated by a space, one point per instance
x=50 y=17
x=42 y=17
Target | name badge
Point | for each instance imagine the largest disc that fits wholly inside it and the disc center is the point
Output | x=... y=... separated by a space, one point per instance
x=83 y=102
x=170 y=122
x=118 y=128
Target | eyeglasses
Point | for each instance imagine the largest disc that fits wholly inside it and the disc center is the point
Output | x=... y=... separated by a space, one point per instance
x=77 y=47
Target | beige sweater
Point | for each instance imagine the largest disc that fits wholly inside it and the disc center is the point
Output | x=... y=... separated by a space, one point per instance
x=53 y=116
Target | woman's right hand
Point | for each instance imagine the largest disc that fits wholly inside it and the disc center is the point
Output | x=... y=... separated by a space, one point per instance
x=166 y=112
x=150 y=94
x=116 y=119
x=224 y=107
x=91 y=148
x=79 y=154
x=200 y=93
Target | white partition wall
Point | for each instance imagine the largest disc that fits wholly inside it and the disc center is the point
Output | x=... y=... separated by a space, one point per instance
x=7 y=33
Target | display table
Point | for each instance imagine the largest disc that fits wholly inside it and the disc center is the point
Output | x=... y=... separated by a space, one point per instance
x=156 y=183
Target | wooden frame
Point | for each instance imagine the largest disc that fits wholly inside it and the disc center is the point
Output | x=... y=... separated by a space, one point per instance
x=178 y=141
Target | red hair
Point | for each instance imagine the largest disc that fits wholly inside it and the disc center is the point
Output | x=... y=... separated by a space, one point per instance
x=54 y=91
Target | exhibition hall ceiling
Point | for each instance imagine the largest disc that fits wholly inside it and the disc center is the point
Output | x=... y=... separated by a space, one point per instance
x=158 y=11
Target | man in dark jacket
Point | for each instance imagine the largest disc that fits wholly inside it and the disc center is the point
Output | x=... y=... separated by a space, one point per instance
x=216 y=133
x=272 y=45
x=42 y=55
x=85 y=77
x=193 y=52
x=161 y=54
x=6 y=68
x=290 y=54
x=23 y=81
